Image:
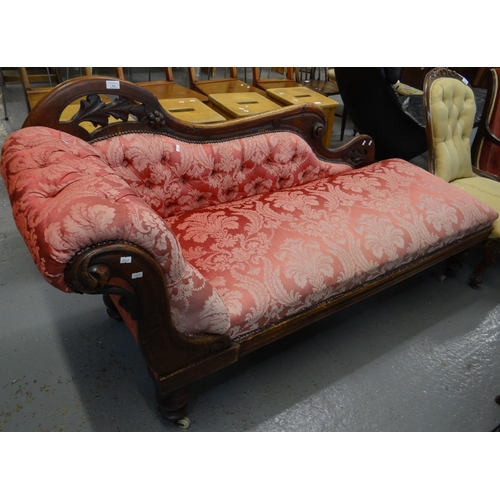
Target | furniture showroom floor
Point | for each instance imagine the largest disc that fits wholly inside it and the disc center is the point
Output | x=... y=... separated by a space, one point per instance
x=421 y=356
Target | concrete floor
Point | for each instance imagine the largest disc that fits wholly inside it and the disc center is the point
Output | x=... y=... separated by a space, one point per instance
x=422 y=356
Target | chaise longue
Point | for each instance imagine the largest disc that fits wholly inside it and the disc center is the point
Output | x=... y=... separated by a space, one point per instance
x=212 y=241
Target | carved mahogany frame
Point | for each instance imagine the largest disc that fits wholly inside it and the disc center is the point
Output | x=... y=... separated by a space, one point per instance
x=484 y=132
x=175 y=361
x=138 y=110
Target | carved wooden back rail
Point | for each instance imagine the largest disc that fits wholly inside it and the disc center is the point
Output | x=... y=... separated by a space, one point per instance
x=137 y=110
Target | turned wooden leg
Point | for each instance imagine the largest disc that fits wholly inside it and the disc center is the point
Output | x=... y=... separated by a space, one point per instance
x=453 y=264
x=491 y=254
x=173 y=407
x=111 y=308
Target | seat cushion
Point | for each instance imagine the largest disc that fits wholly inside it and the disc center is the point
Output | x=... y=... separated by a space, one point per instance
x=276 y=254
x=486 y=190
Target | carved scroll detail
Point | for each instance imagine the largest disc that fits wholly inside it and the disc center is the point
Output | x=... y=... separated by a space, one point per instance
x=356 y=156
x=318 y=130
x=94 y=279
x=94 y=110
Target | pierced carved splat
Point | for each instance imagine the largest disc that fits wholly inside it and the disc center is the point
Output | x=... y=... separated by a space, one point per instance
x=114 y=118
x=95 y=110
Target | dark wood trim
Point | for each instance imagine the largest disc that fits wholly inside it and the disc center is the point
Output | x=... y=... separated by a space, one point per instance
x=484 y=132
x=138 y=110
x=176 y=361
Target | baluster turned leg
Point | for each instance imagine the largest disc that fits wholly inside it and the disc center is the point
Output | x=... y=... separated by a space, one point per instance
x=173 y=407
x=491 y=254
x=111 y=308
x=453 y=264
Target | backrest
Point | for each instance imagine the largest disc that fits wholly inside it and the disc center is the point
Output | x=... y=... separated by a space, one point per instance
x=486 y=146
x=450 y=108
x=173 y=176
x=284 y=74
x=38 y=83
x=169 y=75
x=196 y=73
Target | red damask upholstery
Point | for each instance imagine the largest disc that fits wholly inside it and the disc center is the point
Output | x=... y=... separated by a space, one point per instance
x=247 y=231
x=275 y=254
x=174 y=176
x=65 y=198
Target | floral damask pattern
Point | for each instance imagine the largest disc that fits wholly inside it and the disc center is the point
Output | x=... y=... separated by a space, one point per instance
x=246 y=231
x=65 y=198
x=275 y=254
x=174 y=176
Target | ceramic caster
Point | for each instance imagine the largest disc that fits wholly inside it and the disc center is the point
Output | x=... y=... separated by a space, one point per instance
x=173 y=407
x=184 y=423
x=442 y=277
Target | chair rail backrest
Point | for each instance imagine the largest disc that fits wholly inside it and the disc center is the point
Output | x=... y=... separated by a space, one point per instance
x=450 y=108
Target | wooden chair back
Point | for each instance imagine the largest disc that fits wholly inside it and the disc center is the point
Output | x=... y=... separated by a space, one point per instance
x=165 y=89
x=287 y=80
x=37 y=85
x=317 y=79
x=222 y=85
x=486 y=145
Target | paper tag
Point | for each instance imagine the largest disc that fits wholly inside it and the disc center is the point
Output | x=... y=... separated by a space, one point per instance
x=112 y=84
x=125 y=260
x=137 y=275
x=177 y=147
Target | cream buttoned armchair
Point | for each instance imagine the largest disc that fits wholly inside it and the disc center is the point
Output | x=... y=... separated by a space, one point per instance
x=449 y=114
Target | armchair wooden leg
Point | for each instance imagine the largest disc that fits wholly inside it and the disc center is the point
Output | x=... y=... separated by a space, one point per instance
x=491 y=255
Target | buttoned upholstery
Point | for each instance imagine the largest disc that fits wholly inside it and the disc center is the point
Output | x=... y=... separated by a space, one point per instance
x=173 y=176
x=453 y=110
x=247 y=231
